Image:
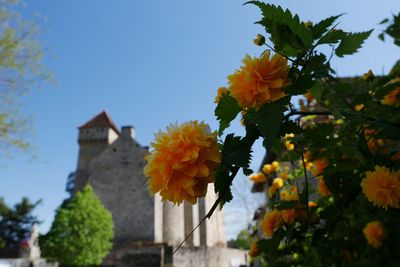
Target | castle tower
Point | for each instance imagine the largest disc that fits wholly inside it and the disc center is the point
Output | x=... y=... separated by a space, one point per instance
x=94 y=137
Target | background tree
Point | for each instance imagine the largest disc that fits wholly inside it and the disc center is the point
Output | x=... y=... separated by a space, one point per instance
x=21 y=69
x=81 y=233
x=16 y=223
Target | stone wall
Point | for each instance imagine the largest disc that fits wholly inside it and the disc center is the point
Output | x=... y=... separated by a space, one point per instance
x=209 y=257
x=116 y=176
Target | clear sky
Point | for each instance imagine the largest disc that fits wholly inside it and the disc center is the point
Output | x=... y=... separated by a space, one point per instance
x=151 y=63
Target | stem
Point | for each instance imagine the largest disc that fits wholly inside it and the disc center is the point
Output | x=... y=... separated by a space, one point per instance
x=306 y=185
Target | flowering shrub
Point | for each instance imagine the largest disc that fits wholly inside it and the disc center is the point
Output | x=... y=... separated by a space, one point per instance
x=334 y=189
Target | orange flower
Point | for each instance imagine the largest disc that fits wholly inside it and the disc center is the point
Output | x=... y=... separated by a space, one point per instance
x=375 y=233
x=275 y=165
x=260 y=80
x=284 y=175
x=271 y=222
x=285 y=195
x=221 y=91
x=312 y=204
x=258 y=178
x=288 y=216
x=319 y=166
x=322 y=188
x=382 y=187
x=309 y=96
x=359 y=107
x=267 y=169
x=183 y=162
x=392 y=98
x=278 y=182
x=254 y=250
x=272 y=190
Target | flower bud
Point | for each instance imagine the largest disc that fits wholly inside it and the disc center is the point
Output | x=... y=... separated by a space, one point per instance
x=259 y=40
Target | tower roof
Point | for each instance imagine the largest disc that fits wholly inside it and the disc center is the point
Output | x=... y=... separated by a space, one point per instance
x=102 y=120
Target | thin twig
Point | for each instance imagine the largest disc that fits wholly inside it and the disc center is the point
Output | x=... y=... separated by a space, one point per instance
x=213 y=208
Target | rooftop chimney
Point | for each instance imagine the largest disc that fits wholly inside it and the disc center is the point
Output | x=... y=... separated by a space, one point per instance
x=128 y=132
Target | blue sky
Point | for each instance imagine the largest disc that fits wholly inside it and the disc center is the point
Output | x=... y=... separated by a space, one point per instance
x=149 y=64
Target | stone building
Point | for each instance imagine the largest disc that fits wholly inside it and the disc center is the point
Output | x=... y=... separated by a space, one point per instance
x=112 y=161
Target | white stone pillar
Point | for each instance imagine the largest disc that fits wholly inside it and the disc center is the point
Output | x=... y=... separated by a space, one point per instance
x=191 y=221
x=173 y=223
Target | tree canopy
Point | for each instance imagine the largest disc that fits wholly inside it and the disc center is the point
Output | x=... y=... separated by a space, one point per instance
x=21 y=69
x=16 y=223
x=81 y=233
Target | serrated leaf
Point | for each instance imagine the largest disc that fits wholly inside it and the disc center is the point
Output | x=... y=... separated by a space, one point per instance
x=268 y=119
x=226 y=111
x=247 y=172
x=222 y=184
x=351 y=43
x=332 y=37
x=288 y=33
x=236 y=151
x=321 y=27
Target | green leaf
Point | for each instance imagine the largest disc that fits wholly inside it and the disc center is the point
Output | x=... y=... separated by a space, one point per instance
x=236 y=151
x=321 y=27
x=351 y=43
x=332 y=37
x=288 y=33
x=268 y=119
x=226 y=111
x=222 y=184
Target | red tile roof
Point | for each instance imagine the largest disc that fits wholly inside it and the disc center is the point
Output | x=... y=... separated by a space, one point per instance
x=102 y=120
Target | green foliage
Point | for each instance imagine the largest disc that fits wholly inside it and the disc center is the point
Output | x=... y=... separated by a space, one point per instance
x=268 y=119
x=392 y=29
x=351 y=43
x=243 y=240
x=288 y=34
x=342 y=130
x=21 y=69
x=226 y=111
x=81 y=233
x=16 y=222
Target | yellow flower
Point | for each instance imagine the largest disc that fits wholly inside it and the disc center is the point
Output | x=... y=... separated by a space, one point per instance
x=254 y=250
x=275 y=165
x=221 y=91
x=260 y=80
x=284 y=175
x=369 y=76
x=319 y=166
x=382 y=187
x=284 y=195
x=322 y=188
x=312 y=204
x=183 y=162
x=271 y=190
x=392 y=98
x=375 y=233
x=259 y=40
x=308 y=24
x=289 y=146
x=309 y=96
x=271 y=222
x=258 y=178
x=358 y=107
x=288 y=216
x=267 y=169
x=278 y=182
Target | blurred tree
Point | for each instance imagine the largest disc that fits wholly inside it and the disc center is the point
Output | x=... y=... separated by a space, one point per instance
x=21 y=69
x=16 y=223
x=81 y=233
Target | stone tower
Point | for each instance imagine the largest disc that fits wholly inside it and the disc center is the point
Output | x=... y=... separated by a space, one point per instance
x=94 y=137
